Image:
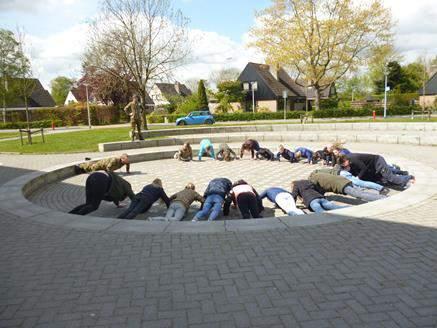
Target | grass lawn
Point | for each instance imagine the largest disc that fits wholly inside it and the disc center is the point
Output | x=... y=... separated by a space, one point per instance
x=88 y=140
x=71 y=142
x=4 y=135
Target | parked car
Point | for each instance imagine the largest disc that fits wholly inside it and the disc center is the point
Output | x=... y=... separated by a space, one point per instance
x=198 y=117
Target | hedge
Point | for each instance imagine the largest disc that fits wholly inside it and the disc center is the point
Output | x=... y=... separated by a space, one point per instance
x=72 y=115
x=323 y=113
x=33 y=125
x=104 y=115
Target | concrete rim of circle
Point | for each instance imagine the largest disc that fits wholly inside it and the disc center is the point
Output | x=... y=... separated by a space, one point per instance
x=13 y=199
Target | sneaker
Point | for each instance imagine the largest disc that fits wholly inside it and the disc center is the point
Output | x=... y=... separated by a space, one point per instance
x=384 y=191
x=195 y=219
x=87 y=158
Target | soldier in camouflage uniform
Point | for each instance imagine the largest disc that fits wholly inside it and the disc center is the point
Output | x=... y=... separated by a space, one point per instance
x=135 y=115
x=108 y=164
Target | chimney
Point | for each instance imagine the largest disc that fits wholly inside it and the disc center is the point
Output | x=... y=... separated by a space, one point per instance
x=177 y=86
x=274 y=71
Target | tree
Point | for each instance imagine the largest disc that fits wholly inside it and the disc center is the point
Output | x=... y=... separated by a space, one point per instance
x=60 y=86
x=321 y=40
x=25 y=82
x=232 y=89
x=394 y=77
x=108 y=88
x=201 y=95
x=11 y=57
x=378 y=59
x=188 y=104
x=414 y=76
x=403 y=79
x=142 y=39
x=225 y=74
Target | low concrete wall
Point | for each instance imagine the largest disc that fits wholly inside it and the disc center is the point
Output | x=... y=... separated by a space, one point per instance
x=283 y=134
x=295 y=127
x=13 y=199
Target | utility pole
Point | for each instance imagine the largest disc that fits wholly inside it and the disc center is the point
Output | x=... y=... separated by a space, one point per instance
x=285 y=96
x=385 y=90
x=88 y=105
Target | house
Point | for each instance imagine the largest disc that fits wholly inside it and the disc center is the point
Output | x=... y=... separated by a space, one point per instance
x=271 y=84
x=429 y=99
x=161 y=93
x=39 y=97
x=78 y=94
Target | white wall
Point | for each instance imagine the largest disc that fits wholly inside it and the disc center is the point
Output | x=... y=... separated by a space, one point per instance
x=70 y=99
x=157 y=97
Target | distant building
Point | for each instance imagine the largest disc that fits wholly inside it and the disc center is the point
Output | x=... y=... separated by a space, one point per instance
x=430 y=97
x=40 y=97
x=161 y=93
x=78 y=95
x=271 y=85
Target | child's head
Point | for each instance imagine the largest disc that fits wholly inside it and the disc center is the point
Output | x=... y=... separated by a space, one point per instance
x=318 y=155
x=239 y=182
x=298 y=155
x=227 y=156
x=124 y=158
x=187 y=145
x=157 y=182
x=281 y=148
x=344 y=161
x=190 y=185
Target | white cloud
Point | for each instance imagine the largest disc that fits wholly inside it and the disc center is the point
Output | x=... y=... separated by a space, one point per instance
x=416 y=28
x=58 y=54
x=211 y=52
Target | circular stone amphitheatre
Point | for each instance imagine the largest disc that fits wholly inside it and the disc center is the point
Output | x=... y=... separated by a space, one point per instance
x=47 y=196
x=67 y=194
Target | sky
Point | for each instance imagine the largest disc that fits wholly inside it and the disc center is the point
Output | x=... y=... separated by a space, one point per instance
x=57 y=32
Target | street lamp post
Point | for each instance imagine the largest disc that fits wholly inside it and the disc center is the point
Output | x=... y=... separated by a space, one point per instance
x=385 y=90
x=285 y=96
x=4 y=99
x=88 y=105
x=254 y=87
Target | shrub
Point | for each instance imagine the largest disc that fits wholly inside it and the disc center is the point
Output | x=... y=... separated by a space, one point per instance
x=75 y=114
x=33 y=125
x=190 y=103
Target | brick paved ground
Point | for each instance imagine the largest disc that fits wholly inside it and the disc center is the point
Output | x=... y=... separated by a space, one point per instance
x=359 y=273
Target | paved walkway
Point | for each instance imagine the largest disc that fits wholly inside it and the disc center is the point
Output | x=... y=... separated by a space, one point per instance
x=360 y=273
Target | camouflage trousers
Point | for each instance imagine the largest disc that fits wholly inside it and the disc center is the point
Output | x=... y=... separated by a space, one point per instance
x=136 y=125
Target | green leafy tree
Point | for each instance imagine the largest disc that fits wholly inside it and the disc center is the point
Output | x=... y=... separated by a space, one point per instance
x=394 y=77
x=189 y=104
x=232 y=89
x=11 y=60
x=201 y=95
x=414 y=76
x=60 y=86
x=321 y=40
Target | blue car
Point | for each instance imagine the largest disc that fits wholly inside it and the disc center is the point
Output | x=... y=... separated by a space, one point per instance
x=198 y=117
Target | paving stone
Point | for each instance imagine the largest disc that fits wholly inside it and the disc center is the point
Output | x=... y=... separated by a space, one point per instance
x=359 y=272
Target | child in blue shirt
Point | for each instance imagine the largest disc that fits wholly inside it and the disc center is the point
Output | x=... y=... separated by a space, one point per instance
x=302 y=152
x=206 y=148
